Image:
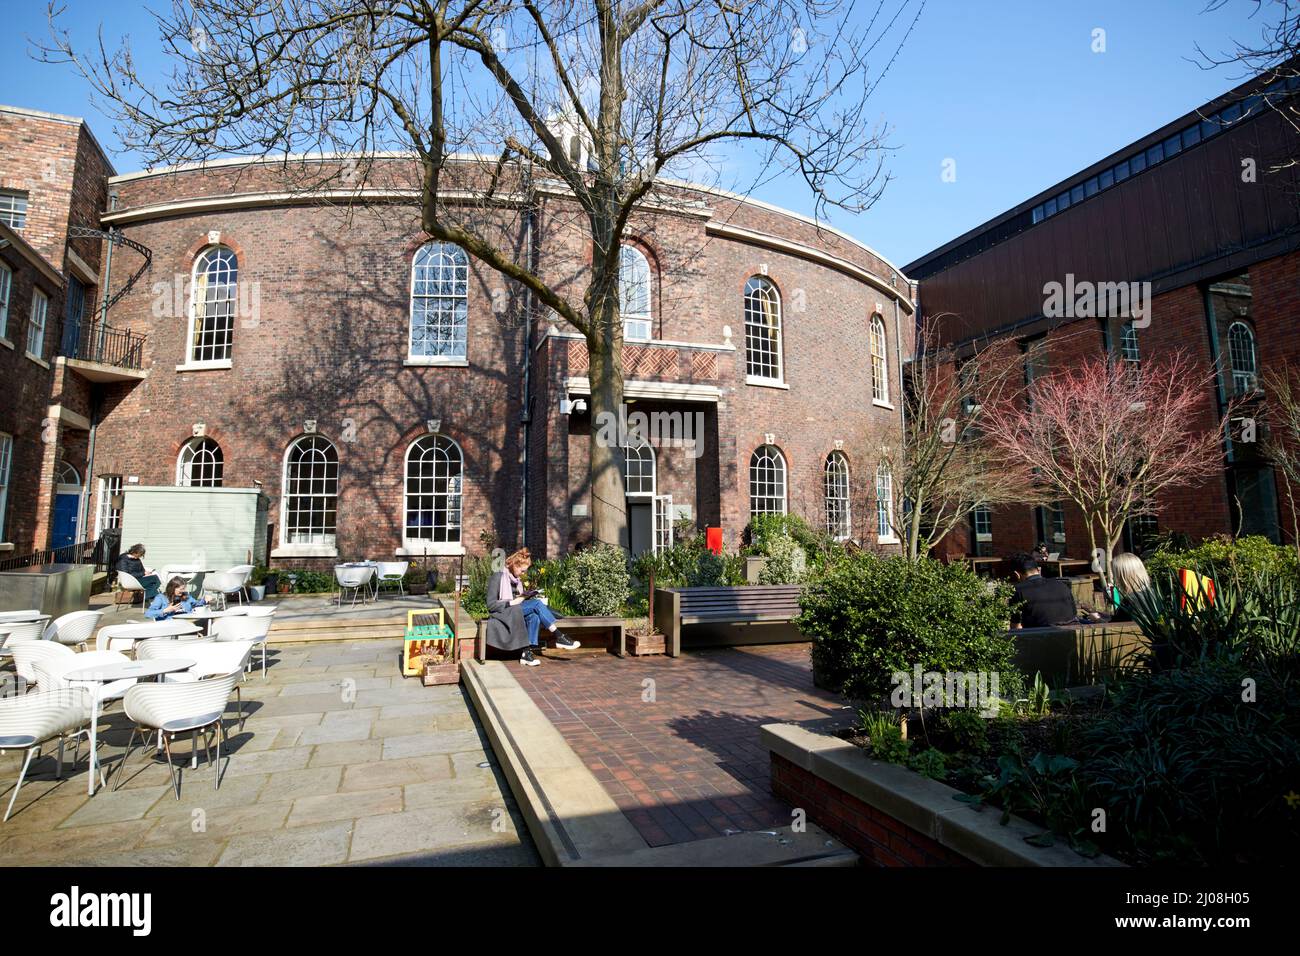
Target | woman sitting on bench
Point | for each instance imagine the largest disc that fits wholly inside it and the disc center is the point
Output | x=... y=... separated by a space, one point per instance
x=510 y=606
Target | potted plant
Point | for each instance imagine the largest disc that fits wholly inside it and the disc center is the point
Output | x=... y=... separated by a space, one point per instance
x=257 y=582
x=415 y=581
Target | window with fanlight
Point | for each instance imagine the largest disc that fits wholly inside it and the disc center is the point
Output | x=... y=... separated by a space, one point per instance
x=200 y=464
x=439 y=303
x=839 y=522
x=213 y=302
x=767 y=482
x=634 y=293
x=762 y=330
x=309 y=502
x=434 y=475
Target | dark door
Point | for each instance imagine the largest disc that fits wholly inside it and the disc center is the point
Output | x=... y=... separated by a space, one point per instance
x=64 y=531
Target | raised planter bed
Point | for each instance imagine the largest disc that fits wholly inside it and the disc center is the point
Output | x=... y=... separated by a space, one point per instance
x=892 y=816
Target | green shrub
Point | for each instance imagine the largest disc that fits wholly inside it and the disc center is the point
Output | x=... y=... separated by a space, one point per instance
x=1191 y=773
x=312 y=582
x=597 y=581
x=870 y=617
x=930 y=763
x=885 y=735
x=787 y=563
x=477 y=572
x=967 y=730
x=1250 y=556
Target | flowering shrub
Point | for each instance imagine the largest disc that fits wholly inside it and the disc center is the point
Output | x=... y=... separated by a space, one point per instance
x=596 y=581
x=787 y=563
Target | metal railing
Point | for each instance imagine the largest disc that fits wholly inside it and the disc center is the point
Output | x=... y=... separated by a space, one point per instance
x=101 y=552
x=109 y=346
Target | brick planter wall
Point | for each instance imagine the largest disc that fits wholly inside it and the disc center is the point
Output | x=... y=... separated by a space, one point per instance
x=875 y=836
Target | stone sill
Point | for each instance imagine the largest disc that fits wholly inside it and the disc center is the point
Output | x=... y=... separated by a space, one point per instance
x=305 y=551
x=417 y=361
x=6 y=546
x=38 y=360
x=432 y=551
x=215 y=366
x=765 y=382
x=924 y=805
x=6 y=343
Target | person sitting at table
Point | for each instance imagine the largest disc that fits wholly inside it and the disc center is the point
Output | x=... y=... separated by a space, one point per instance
x=174 y=600
x=516 y=615
x=1040 y=601
x=1132 y=586
x=132 y=564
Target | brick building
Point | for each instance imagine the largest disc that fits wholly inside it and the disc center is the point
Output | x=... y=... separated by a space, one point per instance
x=53 y=183
x=1207 y=210
x=392 y=396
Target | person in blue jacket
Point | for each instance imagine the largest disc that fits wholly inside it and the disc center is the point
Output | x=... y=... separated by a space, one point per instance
x=175 y=599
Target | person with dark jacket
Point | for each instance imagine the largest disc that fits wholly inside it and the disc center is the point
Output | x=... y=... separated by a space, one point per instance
x=132 y=564
x=1040 y=601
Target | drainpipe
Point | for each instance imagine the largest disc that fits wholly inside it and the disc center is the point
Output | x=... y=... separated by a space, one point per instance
x=96 y=401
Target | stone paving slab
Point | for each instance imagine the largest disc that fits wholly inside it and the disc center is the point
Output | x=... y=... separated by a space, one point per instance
x=340 y=761
x=675 y=741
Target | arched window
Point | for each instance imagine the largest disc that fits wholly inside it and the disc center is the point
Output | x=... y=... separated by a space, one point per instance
x=439 y=302
x=1128 y=344
x=762 y=330
x=639 y=460
x=212 y=305
x=767 y=481
x=200 y=464
x=1241 y=350
x=309 y=502
x=839 y=523
x=634 y=292
x=879 y=361
x=434 y=468
x=884 y=503
x=66 y=475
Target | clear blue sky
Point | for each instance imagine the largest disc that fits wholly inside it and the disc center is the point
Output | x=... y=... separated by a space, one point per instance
x=1009 y=89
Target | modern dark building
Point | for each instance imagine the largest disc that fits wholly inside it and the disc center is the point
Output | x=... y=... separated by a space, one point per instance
x=1207 y=210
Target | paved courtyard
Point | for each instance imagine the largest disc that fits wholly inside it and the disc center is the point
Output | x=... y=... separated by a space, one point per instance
x=675 y=740
x=341 y=761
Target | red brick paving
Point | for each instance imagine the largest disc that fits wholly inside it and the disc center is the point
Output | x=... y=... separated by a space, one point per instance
x=686 y=765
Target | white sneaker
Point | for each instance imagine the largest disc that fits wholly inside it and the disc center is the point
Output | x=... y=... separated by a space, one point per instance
x=528 y=660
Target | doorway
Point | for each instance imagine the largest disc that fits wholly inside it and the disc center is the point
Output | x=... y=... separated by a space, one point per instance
x=67 y=505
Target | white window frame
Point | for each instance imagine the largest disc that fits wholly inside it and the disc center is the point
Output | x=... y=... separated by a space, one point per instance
x=106 y=516
x=36 y=320
x=885 y=505
x=232 y=301
x=837 y=491
x=211 y=459
x=444 y=445
x=323 y=540
x=1130 y=349
x=758 y=288
x=776 y=477
x=662 y=515
x=641 y=452
x=1243 y=380
x=879 y=346
x=6 y=285
x=634 y=270
x=982 y=517
x=9 y=211
x=6 y=468
x=458 y=261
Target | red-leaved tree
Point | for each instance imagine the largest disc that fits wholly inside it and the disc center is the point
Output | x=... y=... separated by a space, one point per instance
x=1111 y=436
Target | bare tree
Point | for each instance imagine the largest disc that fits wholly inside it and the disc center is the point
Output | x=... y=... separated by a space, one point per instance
x=598 y=102
x=1273 y=55
x=1110 y=436
x=1282 y=443
x=941 y=467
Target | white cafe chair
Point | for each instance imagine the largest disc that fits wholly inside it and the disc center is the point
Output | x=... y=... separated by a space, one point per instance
x=217 y=659
x=256 y=630
x=244 y=571
x=173 y=708
x=220 y=584
x=353 y=578
x=24 y=631
x=27 y=654
x=128 y=584
x=31 y=720
x=392 y=572
x=73 y=629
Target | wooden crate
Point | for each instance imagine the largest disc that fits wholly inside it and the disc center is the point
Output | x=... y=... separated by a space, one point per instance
x=435 y=674
x=639 y=645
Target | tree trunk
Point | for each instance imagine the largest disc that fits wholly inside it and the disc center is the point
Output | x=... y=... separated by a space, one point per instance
x=604 y=351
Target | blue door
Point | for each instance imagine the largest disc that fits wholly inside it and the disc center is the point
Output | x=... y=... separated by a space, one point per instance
x=65 y=520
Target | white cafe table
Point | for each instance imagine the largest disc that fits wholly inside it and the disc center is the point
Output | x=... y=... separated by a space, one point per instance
x=106 y=674
x=146 y=630
x=21 y=617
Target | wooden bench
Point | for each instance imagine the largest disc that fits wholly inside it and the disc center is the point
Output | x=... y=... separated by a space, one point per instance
x=616 y=626
x=676 y=608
